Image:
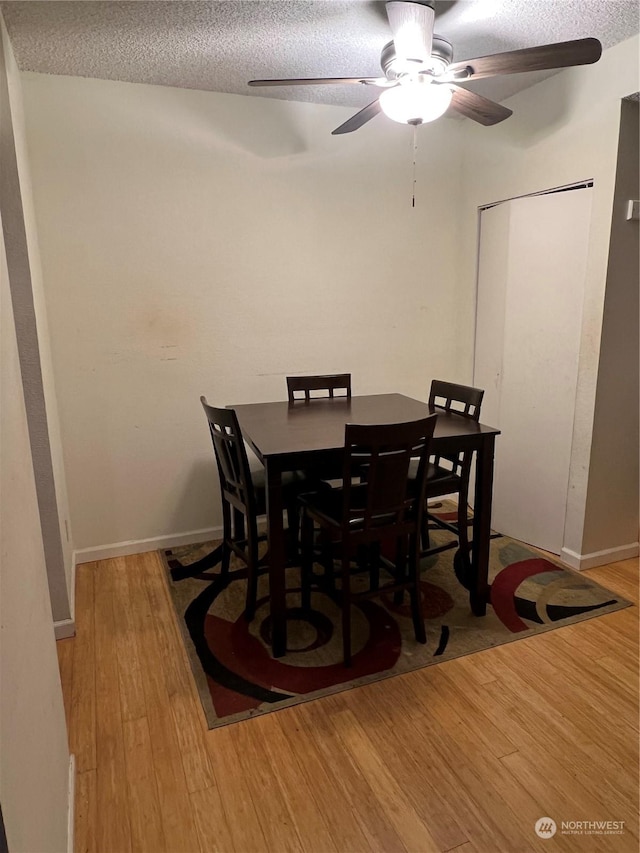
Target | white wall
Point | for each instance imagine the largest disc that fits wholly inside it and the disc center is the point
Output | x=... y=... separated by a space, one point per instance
x=204 y=243
x=612 y=501
x=200 y=243
x=26 y=283
x=563 y=130
x=34 y=758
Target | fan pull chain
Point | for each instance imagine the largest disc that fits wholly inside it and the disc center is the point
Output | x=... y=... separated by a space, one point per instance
x=415 y=149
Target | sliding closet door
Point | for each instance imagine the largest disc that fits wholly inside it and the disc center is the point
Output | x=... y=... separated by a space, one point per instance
x=532 y=266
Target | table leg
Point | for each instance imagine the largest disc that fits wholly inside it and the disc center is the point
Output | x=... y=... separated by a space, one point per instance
x=275 y=531
x=479 y=589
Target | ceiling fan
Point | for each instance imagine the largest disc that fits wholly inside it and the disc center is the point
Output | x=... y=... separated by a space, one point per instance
x=420 y=79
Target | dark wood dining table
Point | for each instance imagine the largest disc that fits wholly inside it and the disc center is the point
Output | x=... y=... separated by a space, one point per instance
x=294 y=436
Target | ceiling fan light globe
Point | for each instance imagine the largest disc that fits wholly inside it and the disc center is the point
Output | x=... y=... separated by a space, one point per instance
x=415 y=103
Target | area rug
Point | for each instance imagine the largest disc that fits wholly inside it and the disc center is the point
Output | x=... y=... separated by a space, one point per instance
x=238 y=678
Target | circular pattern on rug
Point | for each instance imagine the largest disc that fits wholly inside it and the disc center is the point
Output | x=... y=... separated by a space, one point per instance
x=237 y=676
x=538 y=591
x=435 y=602
x=307 y=630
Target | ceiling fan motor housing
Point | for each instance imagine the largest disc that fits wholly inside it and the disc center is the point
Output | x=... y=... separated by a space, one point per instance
x=441 y=56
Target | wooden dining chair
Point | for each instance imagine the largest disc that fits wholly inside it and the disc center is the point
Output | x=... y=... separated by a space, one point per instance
x=309 y=387
x=449 y=473
x=242 y=503
x=383 y=505
x=243 y=497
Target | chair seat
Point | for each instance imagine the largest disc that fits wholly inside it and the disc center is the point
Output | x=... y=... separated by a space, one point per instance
x=327 y=504
x=439 y=480
x=326 y=508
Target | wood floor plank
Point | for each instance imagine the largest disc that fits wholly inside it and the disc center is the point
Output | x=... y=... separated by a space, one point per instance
x=330 y=778
x=177 y=809
x=113 y=816
x=85 y=818
x=142 y=790
x=509 y=699
x=211 y=822
x=585 y=639
x=558 y=788
x=176 y=804
x=413 y=832
x=170 y=645
x=132 y=701
x=403 y=756
x=625 y=670
x=621 y=631
x=537 y=671
x=274 y=814
x=462 y=756
x=236 y=797
x=489 y=805
x=65 y=650
x=620 y=627
x=183 y=700
x=622 y=578
x=484 y=725
x=82 y=713
x=298 y=789
x=551 y=781
x=478 y=668
x=531 y=722
x=625 y=683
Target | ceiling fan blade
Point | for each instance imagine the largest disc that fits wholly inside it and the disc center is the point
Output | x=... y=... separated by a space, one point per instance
x=477 y=107
x=357 y=120
x=412 y=29
x=560 y=55
x=321 y=81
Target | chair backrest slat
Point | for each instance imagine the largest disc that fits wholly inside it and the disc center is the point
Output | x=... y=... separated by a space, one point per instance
x=304 y=385
x=231 y=456
x=462 y=400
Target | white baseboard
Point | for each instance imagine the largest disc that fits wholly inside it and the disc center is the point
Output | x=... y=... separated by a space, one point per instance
x=599 y=558
x=64 y=628
x=72 y=804
x=140 y=546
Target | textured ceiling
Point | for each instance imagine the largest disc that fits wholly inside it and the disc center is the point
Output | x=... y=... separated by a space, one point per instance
x=219 y=46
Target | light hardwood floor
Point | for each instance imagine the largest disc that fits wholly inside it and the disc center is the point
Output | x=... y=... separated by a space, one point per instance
x=463 y=756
